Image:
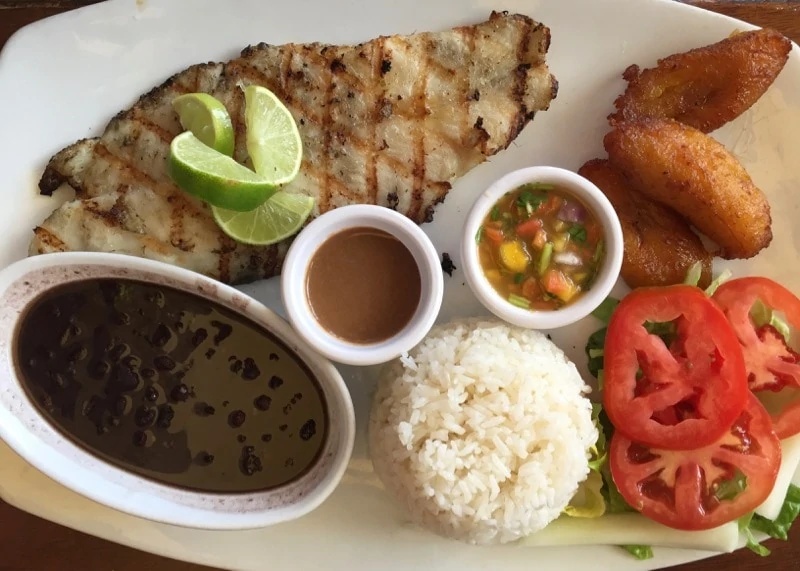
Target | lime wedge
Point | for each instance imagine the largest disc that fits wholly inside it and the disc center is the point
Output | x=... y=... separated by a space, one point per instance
x=278 y=218
x=216 y=178
x=273 y=141
x=207 y=118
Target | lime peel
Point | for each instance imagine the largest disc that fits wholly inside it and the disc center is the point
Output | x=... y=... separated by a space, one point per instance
x=280 y=217
x=214 y=177
x=208 y=119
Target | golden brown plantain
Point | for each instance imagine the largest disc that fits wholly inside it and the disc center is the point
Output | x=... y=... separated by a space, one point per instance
x=695 y=175
x=705 y=87
x=660 y=247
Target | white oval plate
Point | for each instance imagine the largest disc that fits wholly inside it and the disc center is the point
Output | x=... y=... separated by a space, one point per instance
x=64 y=78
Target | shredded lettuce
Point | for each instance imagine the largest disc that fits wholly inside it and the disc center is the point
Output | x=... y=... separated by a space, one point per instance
x=640 y=552
x=595 y=343
x=599 y=450
x=605 y=309
x=588 y=500
x=666 y=330
x=723 y=277
x=761 y=314
x=752 y=543
x=694 y=274
x=779 y=527
x=729 y=489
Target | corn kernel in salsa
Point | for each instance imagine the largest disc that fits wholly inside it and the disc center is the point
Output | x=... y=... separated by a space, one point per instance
x=540 y=247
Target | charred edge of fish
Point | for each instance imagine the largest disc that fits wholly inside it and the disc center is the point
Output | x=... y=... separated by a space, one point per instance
x=476 y=95
x=482 y=135
x=392 y=200
x=51 y=180
x=155 y=93
x=431 y=209
x=386 y=66
x=52 y=242
x=553 y=88
x=337 y=66
x=272 y=262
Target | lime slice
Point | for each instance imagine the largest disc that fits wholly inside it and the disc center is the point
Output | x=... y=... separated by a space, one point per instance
x=273 y=141
x=278 y=218
x=216 y=178
x=207 y=118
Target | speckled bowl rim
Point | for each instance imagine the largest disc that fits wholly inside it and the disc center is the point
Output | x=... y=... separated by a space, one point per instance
x=31 y=436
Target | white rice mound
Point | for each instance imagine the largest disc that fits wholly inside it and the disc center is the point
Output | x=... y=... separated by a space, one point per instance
x=482 y=431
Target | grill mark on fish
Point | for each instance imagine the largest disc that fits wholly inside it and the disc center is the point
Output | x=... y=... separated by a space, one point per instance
x=521 y=86
x=420 y=106
x=47 y=238
x=326 y=124
x=467 y=92
x=127 y=159
x=136 y=117
x=196 y=82
x=379 y=64
x=238 y=123
x=270 y=260
x=112 y=217
x=130 y=170
x=283 y=75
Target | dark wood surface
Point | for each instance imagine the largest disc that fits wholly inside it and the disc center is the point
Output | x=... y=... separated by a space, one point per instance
x=28 y=543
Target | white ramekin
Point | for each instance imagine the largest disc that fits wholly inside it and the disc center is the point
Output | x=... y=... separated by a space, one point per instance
x=606 y=278
x=33 y=437
x=294 y=290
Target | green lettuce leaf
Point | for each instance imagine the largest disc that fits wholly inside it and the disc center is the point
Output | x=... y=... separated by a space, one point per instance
x=723 y=277
x=752 y=544
x=694 y=274
x=640 y=552
x=779 y=527
x=594 y=347
x=605 y=309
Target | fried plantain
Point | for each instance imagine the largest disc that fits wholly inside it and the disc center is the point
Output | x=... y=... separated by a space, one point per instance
x=705 y=87
x=659 y=246
x=687 y=170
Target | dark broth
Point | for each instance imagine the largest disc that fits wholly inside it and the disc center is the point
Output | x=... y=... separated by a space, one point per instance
x=363 y=285
x=171 y=386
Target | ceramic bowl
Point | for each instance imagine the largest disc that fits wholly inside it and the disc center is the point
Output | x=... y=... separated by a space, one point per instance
x=34 y=438
x=607 y=276
x=294 y=291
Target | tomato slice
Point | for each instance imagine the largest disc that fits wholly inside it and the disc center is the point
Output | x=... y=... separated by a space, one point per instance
x=679 y=396
x=771 y=364
x=697 y=489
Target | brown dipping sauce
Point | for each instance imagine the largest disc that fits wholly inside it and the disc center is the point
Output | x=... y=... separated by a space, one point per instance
x=363 y=285
x=171 y=386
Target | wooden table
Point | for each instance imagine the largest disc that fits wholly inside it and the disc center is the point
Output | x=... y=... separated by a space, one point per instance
x=28 y=543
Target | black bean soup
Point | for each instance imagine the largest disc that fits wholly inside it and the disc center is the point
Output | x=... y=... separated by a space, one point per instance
x=171 y=386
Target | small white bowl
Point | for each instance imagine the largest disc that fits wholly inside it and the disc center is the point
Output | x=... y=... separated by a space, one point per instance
x=294 y=290
x=44 y=446
x=592 y=197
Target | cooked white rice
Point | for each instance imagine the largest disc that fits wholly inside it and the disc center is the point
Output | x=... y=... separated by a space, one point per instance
x=482 y=431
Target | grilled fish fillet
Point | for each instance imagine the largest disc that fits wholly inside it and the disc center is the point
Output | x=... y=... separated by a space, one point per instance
x=391 y=122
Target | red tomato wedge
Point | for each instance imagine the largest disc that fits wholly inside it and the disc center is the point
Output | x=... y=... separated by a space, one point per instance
x=771 y=364
x=691 y=489
x=684 y=395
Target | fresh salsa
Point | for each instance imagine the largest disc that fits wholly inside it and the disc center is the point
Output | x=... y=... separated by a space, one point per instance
x=540 y=247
